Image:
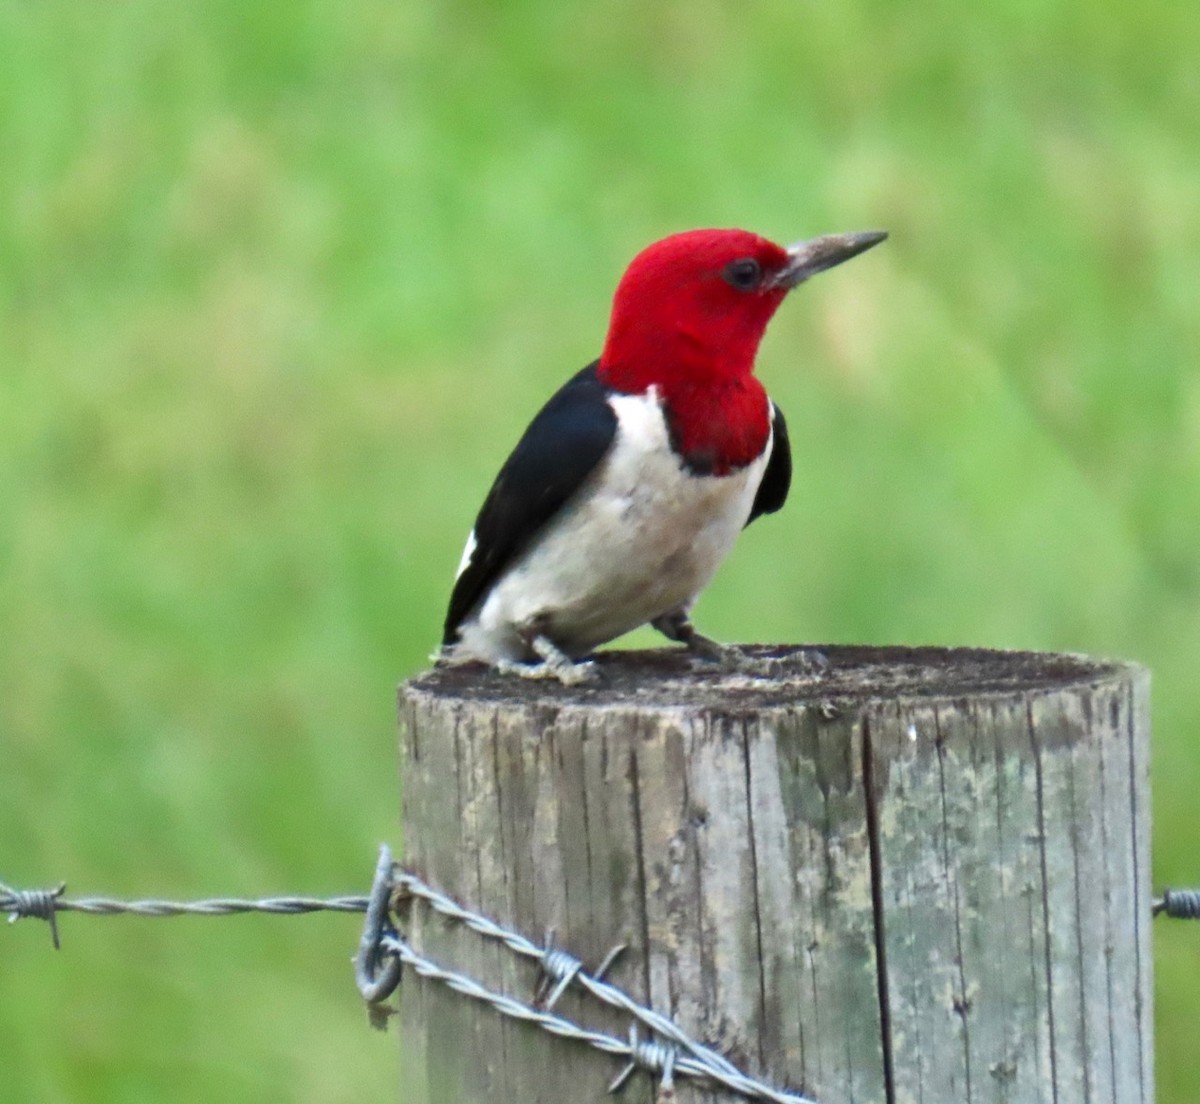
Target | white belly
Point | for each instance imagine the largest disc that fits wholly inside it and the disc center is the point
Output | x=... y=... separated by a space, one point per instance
x=642 y=538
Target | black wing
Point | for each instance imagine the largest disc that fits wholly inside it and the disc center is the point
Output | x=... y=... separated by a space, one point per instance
x=773 y=490
x=564 y=442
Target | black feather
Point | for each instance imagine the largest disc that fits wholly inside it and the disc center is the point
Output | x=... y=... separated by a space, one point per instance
x=565 y=441
x=777 y=478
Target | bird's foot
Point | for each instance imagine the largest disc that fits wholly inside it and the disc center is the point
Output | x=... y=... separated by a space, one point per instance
x=573 y=674
x=812 y=661
x=732 y=659
x=804 y=661
x=555 y=664
x=726 y=657
x=705 y=652
x=703 y=649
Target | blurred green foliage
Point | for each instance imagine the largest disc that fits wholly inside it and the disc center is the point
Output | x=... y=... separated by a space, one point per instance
x=281 y=284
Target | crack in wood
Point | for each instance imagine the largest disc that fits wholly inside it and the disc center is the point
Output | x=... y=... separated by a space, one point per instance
x=1044 y=863
x=1106 y=845
x=962 y=1003
x=697 y=819
x=758 y=934
x=1138 y=920
x=639 y=851
x=505 y=1027
x=870 y=800
x=1080 y=962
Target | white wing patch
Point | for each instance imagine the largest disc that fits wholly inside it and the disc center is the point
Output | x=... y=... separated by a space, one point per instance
x=468 y=552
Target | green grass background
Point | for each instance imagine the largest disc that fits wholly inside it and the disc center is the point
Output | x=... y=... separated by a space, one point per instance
x=280 y=285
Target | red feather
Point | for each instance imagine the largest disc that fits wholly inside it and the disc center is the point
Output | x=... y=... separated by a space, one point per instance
x=679 y=325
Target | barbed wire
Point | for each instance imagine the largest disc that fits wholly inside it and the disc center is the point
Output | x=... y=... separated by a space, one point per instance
x=384 y=951
x=653 y=1055
x=46 y=904
x=562 y=968
x=660 y=1055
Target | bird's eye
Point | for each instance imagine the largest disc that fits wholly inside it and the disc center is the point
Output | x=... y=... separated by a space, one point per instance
x=744 y=274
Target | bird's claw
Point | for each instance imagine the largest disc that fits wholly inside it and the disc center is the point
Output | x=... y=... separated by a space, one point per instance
x=711 y=651
x=810 y=660
x=582 y=673
x=555 y=664
x=568 y=673
x=806 y=661
x=706 y=654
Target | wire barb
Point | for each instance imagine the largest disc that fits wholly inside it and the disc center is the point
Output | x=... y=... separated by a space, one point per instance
x=39 y=904
x=46 y=904
x=560 y=969
x=666 y=1087
x=592 y=983
x=649 y=1054
x=1178 y=904
x=667 y=1050
x=384 y=951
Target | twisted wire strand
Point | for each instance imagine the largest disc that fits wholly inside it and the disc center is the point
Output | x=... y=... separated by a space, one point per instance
x=650 y=1054
x=212 y=906
x=376 y=980
x=660 y=1053
x=616 y=998
x=1179 y=904
x=43 y=904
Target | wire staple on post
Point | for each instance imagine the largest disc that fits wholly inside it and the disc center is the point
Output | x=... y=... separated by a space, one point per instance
x=377 y=979
x=666 y=1087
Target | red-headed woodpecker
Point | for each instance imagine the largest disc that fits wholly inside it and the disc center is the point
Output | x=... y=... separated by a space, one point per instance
x=630 y=486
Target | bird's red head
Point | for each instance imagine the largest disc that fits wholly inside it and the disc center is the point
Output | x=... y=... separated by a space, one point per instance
x=695 y=305
x=688 y=316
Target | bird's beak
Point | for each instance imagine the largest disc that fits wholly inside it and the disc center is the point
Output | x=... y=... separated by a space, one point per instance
x=807 y=258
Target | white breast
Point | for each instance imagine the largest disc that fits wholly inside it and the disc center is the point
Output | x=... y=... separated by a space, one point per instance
x=641 y=538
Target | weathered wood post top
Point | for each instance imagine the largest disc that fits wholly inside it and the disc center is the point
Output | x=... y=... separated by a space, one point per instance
x=919 y=874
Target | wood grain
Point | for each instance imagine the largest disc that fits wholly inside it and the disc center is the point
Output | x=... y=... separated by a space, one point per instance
x=919 y=876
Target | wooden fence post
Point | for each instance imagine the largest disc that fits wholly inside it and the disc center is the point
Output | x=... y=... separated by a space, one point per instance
x=922 y=875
